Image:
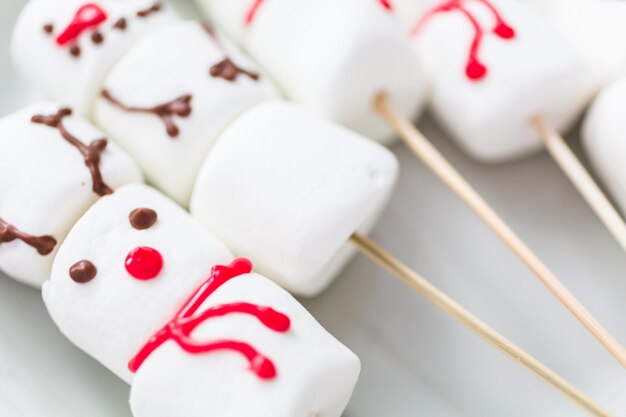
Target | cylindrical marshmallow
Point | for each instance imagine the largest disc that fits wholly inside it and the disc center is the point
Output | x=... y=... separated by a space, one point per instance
x=596 y=29
x=66 y=47
x=287 y=190
x=331 y=56
x=604 y=134
x=114 y=313
x=170 y=96
x=315 y=374
x=53 y=167
x=494 y=65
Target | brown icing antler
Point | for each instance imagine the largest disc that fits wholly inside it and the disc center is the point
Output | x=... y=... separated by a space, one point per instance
x=155 y=8
x=180 y=107
x=43 y=244
x=226 y=68
x=91 y=153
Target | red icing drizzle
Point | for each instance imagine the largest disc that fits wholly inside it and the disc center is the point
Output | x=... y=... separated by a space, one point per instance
x=254 y=8
x=186 y=320
x=144 y=263
x=474 y=69
x=88 y=16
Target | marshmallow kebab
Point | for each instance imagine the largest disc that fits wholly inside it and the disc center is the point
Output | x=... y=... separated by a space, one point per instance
x=143 y=288
x=493 y=66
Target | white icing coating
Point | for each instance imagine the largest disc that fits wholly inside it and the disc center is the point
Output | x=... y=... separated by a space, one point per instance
x=76 y=81
x=287 y=190
x=604 y=134
x=315 y=373
x=332 y=57
x=533 y=73
x=172 y=62
x=113 y=315
x=45 y=186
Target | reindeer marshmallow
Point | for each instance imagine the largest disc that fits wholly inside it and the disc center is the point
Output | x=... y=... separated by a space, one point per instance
x=332 y=57
x=67 y=47
x=141 y=287
x=170 y=96
x=53 y=166
x=494 y=65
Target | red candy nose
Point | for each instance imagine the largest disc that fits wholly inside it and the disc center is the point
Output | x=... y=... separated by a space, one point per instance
x=144 y=263
x=87 y=16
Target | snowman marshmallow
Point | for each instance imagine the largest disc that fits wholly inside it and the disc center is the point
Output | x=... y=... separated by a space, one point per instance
x=332 y=57
x=170 y=96
x=596 y=29
x=139 y=285
x=603 y=134
x=288 y=190
x=66 y=47
x=53 y=166
x=494 y=65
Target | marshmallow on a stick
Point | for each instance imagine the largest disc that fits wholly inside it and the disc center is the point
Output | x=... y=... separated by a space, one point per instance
x=66 y=47
x=143 y=288
x=332 y=57
x=494 y=65
x=287 y=189
x=53 y=166
x=170 y=96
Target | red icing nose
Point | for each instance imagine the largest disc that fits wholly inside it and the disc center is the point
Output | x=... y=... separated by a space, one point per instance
x=88 y=16
x=144 y=263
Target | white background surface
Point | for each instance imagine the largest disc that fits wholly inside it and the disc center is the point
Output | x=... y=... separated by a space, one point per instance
x=416 y=361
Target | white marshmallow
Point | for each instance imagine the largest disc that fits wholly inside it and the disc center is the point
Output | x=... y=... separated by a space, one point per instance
x=604 y=134
x=45 y=185
x=596 y=29
x=287 y=190
x=76 y=80
x=332 y=57
x=315 y=373
x=533 y=73
x=114 y=314
x=172 y=62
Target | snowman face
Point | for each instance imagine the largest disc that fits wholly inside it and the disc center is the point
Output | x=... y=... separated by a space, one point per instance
x=125 y=269
x=80 y=41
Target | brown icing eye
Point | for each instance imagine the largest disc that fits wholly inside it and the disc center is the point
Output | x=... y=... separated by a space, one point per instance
x=49 y=28
x=142 y=218
x=97 y=38
x=75 y=51
x=83 y=271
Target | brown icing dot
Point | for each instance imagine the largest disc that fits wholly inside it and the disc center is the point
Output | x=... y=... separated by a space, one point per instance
x=75 y=51
x=142 y=218
x=120 y=24
x=49 y=28
x=97 y=38
x=83 y=271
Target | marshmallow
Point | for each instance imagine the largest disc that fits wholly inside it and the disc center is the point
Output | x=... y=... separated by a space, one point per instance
x=66 y=47
x=46 y=184
x=287 y=190
x=170 y=96
x=495 y=64
x=314 y=373
x=603 y=134
x=111 y=316
x=596 y=29
x=332 y=57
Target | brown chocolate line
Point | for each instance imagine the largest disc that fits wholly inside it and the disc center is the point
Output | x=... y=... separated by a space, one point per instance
x=91 y=153
x=43 y=244
x=156 y=7
x=180 y=106
x=226 y=68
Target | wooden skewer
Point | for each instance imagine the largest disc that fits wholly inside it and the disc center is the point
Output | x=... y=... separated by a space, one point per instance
x=467 y=319
x=582 y=180
x=451 y=177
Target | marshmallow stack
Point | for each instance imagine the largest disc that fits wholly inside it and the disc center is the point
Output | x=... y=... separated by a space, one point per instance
x=494 y=65
x=331 y=57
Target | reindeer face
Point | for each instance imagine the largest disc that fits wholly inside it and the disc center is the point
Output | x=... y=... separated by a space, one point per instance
x=124 y=270
x=53 y=166
x=67 y=46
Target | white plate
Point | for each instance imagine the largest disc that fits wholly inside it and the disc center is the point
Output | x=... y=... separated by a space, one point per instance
x=416 y=361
